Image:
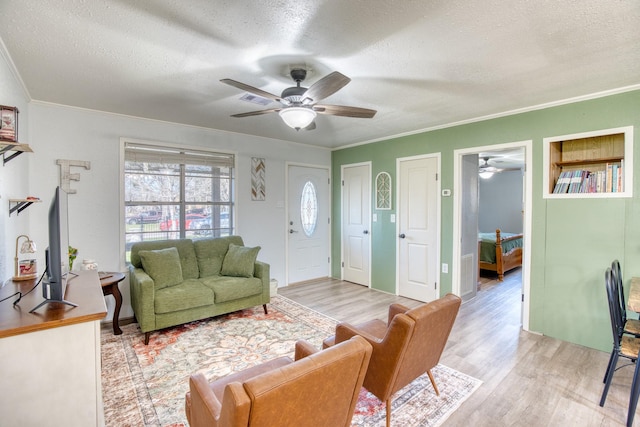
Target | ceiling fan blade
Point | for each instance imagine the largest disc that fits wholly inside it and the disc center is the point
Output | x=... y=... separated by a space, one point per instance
x=342 y=110
x=251 y=89
x=326 y=86
x=256 y=113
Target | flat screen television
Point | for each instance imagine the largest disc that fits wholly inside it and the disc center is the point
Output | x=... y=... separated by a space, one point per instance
x=57 y=253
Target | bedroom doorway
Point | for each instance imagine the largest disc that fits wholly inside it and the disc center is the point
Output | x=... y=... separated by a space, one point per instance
x=492 y=155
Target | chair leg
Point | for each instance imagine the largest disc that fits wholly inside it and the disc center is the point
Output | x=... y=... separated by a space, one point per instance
x=607 y=383
x=635 y=391
x=146 y=338
x=604 y=380
x=265 y=308
x=389 y=412
x=433 y=382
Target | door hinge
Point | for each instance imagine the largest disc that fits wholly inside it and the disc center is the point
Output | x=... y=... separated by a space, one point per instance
x=329 y=181
x=342 y=263
x=436 y=176
x=343 y=182
x=328 y=220
x=522 y=297
x=328 y=260
x=435 y=286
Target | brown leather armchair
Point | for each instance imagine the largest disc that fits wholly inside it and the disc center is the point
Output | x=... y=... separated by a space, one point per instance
x=406 y=347
x=319 y=388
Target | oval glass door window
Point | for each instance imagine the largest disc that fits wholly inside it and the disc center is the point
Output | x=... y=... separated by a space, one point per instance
x=308 y=208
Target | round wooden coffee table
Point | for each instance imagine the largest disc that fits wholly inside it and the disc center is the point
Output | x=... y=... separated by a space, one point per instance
x=109 y=282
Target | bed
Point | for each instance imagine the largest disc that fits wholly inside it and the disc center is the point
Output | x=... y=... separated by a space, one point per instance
x=499 y=252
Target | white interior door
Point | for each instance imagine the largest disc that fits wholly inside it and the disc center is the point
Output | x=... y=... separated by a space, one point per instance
x=356 y=214
x=418 y=205
x=469 y=227
x=308 y=223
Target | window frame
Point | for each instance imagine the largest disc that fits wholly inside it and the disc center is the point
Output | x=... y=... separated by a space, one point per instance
x=231 y=205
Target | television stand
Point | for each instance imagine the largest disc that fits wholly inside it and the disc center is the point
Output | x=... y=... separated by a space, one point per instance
x=47 y=301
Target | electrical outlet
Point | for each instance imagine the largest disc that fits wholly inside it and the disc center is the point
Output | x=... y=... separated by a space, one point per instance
x=392 y=217
x=445 y=268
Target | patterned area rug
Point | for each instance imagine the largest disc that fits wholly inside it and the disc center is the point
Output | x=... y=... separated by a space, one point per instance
x=145 y=385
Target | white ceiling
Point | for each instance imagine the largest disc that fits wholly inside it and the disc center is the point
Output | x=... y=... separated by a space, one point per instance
x=421 y=64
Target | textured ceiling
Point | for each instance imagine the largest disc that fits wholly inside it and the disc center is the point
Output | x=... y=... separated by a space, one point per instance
x=421 y=64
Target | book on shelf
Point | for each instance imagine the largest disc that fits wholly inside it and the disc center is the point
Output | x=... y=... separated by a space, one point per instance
x=562 y=183
x=608 y=180
x=575 y=181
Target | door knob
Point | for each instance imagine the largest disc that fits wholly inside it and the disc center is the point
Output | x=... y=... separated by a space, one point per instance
x=402 y=236
x=291 y=231
x=365 y=232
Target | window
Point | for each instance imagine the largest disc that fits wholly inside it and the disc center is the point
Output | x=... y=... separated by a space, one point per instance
x=309 y=209
x=174 y=193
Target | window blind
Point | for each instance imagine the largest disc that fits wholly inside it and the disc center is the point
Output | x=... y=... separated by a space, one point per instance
x=145 y=153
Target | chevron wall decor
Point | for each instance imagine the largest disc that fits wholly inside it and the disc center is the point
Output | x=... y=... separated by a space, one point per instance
x=257 y=179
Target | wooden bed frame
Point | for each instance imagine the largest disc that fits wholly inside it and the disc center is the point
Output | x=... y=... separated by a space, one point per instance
x=504 y=262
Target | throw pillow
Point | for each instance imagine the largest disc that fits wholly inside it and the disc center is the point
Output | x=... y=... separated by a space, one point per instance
x=163 y=265
x=239 y=261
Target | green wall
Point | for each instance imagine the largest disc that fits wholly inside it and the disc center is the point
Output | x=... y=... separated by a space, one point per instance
x=572 y=241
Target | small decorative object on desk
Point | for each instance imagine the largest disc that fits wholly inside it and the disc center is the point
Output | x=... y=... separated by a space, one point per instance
x=73 y=253
x=89 y=264
x=28 y=267
x=25 y=269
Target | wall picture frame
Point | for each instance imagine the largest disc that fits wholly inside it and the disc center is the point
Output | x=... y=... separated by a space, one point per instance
x=383 y=191
x=8 y=123
x=258 y=185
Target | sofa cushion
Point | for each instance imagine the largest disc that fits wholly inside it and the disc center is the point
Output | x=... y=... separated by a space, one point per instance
x=189 y=294
x=227 y=288
x=239 y=261
x=188 y=259
x=163 y=265
x=210 y=253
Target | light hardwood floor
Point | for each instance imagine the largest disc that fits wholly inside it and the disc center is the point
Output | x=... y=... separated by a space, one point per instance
x=528 y=379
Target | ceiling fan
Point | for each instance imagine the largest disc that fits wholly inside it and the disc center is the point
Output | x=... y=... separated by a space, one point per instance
x=487 y=170
x=300 y=104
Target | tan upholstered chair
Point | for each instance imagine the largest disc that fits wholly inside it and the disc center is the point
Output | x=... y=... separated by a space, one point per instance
x=318 y=389
x=406 y=347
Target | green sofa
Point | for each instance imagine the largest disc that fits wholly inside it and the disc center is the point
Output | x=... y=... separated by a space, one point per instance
x=179 y=281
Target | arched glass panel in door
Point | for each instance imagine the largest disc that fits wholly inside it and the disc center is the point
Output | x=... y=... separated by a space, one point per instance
x=308 y=208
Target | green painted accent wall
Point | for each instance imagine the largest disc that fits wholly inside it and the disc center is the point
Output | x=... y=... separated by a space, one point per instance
x=572 y=241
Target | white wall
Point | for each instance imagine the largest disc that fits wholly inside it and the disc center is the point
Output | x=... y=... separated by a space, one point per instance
x=501 y=203
x=14 y=176
x=60 y=132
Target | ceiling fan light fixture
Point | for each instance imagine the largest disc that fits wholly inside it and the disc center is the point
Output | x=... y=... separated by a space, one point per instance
x=486 y=174
x=297 y=117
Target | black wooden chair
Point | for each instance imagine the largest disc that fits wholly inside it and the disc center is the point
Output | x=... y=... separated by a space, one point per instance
x=624 y=345
x=630 y=326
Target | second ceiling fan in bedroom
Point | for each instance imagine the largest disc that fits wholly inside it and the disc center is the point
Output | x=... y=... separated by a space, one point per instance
x=486 y=168
x=300 y=104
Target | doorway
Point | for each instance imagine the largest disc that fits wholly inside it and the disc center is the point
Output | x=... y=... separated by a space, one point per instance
x=461 y=214
x=308 y=220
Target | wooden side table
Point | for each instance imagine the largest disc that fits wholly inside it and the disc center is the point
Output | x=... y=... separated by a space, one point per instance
x=109 y=282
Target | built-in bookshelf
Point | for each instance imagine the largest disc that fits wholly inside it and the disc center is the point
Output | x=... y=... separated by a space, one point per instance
x=589 y=165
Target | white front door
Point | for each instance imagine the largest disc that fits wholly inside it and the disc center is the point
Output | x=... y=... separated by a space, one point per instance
x=418 y=205
x=356 y=209
x=308 y=223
